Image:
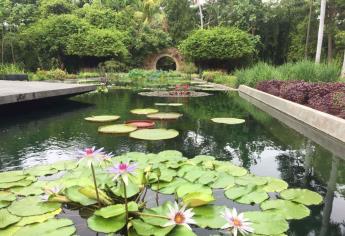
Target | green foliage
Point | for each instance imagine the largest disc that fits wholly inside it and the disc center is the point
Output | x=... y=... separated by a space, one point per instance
x=10 y=69
x=340 y=39
x=303 y=70
x=219 y=77
x=98 y=43
x=55 y=74
x=55 y=7
x=113 y=66
x=222 y=44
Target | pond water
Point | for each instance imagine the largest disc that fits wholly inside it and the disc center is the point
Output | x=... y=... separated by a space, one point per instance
x=54 y=130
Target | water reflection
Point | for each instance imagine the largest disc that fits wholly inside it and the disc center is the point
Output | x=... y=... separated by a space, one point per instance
x=263 y=144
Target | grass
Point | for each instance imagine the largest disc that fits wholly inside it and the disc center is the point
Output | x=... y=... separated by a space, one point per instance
x=6 y=69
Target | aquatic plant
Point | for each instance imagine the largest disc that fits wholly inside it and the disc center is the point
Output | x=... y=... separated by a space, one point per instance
x=126 y=208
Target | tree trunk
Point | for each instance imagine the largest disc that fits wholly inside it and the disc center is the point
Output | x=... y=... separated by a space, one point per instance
x=308 y=31
x=201 y=16
x=330 y=48
x=321 y=29
x=343 y=69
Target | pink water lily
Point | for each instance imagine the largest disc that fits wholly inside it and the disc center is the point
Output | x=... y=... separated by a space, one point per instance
x=92 y=155
x=236 y=222
x=180 y=216
x=122 y=169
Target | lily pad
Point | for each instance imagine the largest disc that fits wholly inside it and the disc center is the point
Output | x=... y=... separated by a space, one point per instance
x=31 y=206
x=209 y=216
x=7 y=196
x=196 y=199
x=223 y=181
x=20 y=183
x=303 y=196
x=52 y=227
x=27 y=191
x=239 y=191
x=275 y=185
x=266 y=223
x=116 y=210
x=148 y=230
x=288 y=209
x=254 y=197
x=169 y=104
x=154 y=134
x=12 y=178
x=141 y=124
x=103 y=118
x=38 y=219
x=164 y=116
x=231 y=169
x=190 y=188
x=117 y=129
x=228 y=121
x=73 y=194
x=6 y=218
x=251 y=179
x=144 y=111
x=41 y=170
x=4 y=204
x=106 y=225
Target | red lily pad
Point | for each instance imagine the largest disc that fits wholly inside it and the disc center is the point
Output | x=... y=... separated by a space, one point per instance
x=140 y=124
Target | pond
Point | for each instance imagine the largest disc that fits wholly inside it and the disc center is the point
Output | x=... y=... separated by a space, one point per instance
x=54 y=131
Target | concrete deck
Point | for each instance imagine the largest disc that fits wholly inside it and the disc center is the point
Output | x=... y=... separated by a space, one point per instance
x=21 y=91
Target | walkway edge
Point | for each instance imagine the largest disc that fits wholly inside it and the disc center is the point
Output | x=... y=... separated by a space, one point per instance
x=326 y=123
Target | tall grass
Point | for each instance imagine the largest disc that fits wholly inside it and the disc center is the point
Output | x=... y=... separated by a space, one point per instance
x=6 y=69
x=303 y=70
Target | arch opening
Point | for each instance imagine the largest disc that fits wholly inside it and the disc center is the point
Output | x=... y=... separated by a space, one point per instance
x=166 y=63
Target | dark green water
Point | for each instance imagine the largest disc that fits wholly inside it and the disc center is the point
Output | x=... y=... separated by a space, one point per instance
x=53 y=131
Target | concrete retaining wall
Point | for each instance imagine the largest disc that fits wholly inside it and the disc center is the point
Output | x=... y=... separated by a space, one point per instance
x=327 y=124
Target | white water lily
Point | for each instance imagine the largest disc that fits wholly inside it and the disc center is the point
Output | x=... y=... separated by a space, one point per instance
x=51 y=192
x=236 y=222
x=179 y=216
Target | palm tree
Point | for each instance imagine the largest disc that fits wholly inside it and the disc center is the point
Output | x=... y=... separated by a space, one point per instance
x=321 y=29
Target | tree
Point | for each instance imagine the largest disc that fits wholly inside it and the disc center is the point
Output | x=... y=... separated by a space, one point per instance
x=321 y=30
x=55 y=7
x=180 y=17
x=340 y=41
x=219 y=45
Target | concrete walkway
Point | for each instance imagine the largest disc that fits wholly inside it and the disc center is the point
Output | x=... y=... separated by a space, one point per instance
x=213 y=86
x=20 y=91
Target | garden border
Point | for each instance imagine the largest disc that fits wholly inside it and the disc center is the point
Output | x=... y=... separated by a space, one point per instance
x=325 y=129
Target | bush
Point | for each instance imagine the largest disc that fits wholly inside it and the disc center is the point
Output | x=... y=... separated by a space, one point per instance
x=210 y=75
x=219 y=44
x=300 y=71
x=220 y=77
x=325 y=97
x=10 y=69
x=56 y=74
x=113 y=66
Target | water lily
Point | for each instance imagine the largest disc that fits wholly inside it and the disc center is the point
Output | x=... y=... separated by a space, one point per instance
x=92 y=155
x=122 y=169
x=236 y=222
x=180 y=216
x=51 y=192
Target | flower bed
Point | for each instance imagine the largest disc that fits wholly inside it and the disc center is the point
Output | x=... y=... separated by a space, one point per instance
x=325 y=97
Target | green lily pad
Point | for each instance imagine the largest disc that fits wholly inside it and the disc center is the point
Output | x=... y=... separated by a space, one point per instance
x=52 y=227
x=106 y=225
x=7 y=196
x=28 y=220
x=223 y=181
x=196 y=199
x=164 y=116
x=231 y=169
x=4 y=204
x=171 y=187
x=73 y=194
x=251 y=179
x=162 y=210
x=228 y=121
x=103 y=118
x=202 y=158
x=12 y=178
x=190 y=188
x=275 y=185
x=117 y=129
x=265 y=223
x=65 y=165
x=209 y=216
x=116 y=210
x=143 y=228
x=20 y=183
x=288 y=209
x=144 y=111
x=303 y=196
x=181 y=230
x=207 y=178
x=6 y=218
x=27 y=191
x=254 y=197
x=193 y=174
x=41 y=170
x=31 y=206
x=236 y=192
x=154 y=134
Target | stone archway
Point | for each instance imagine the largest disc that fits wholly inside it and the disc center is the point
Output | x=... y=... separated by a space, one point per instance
x=150 y=62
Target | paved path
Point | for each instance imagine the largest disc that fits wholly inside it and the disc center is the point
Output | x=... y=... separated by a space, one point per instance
x=214 y=86
x=20 y=91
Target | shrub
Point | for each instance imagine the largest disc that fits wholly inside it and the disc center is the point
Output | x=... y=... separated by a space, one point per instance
x=113 y=66
x=220 y=44
x=210 y=75
x=299 y=71
x=10 y=69
x=270 y=86
x=295 y=91
x=56 y=74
